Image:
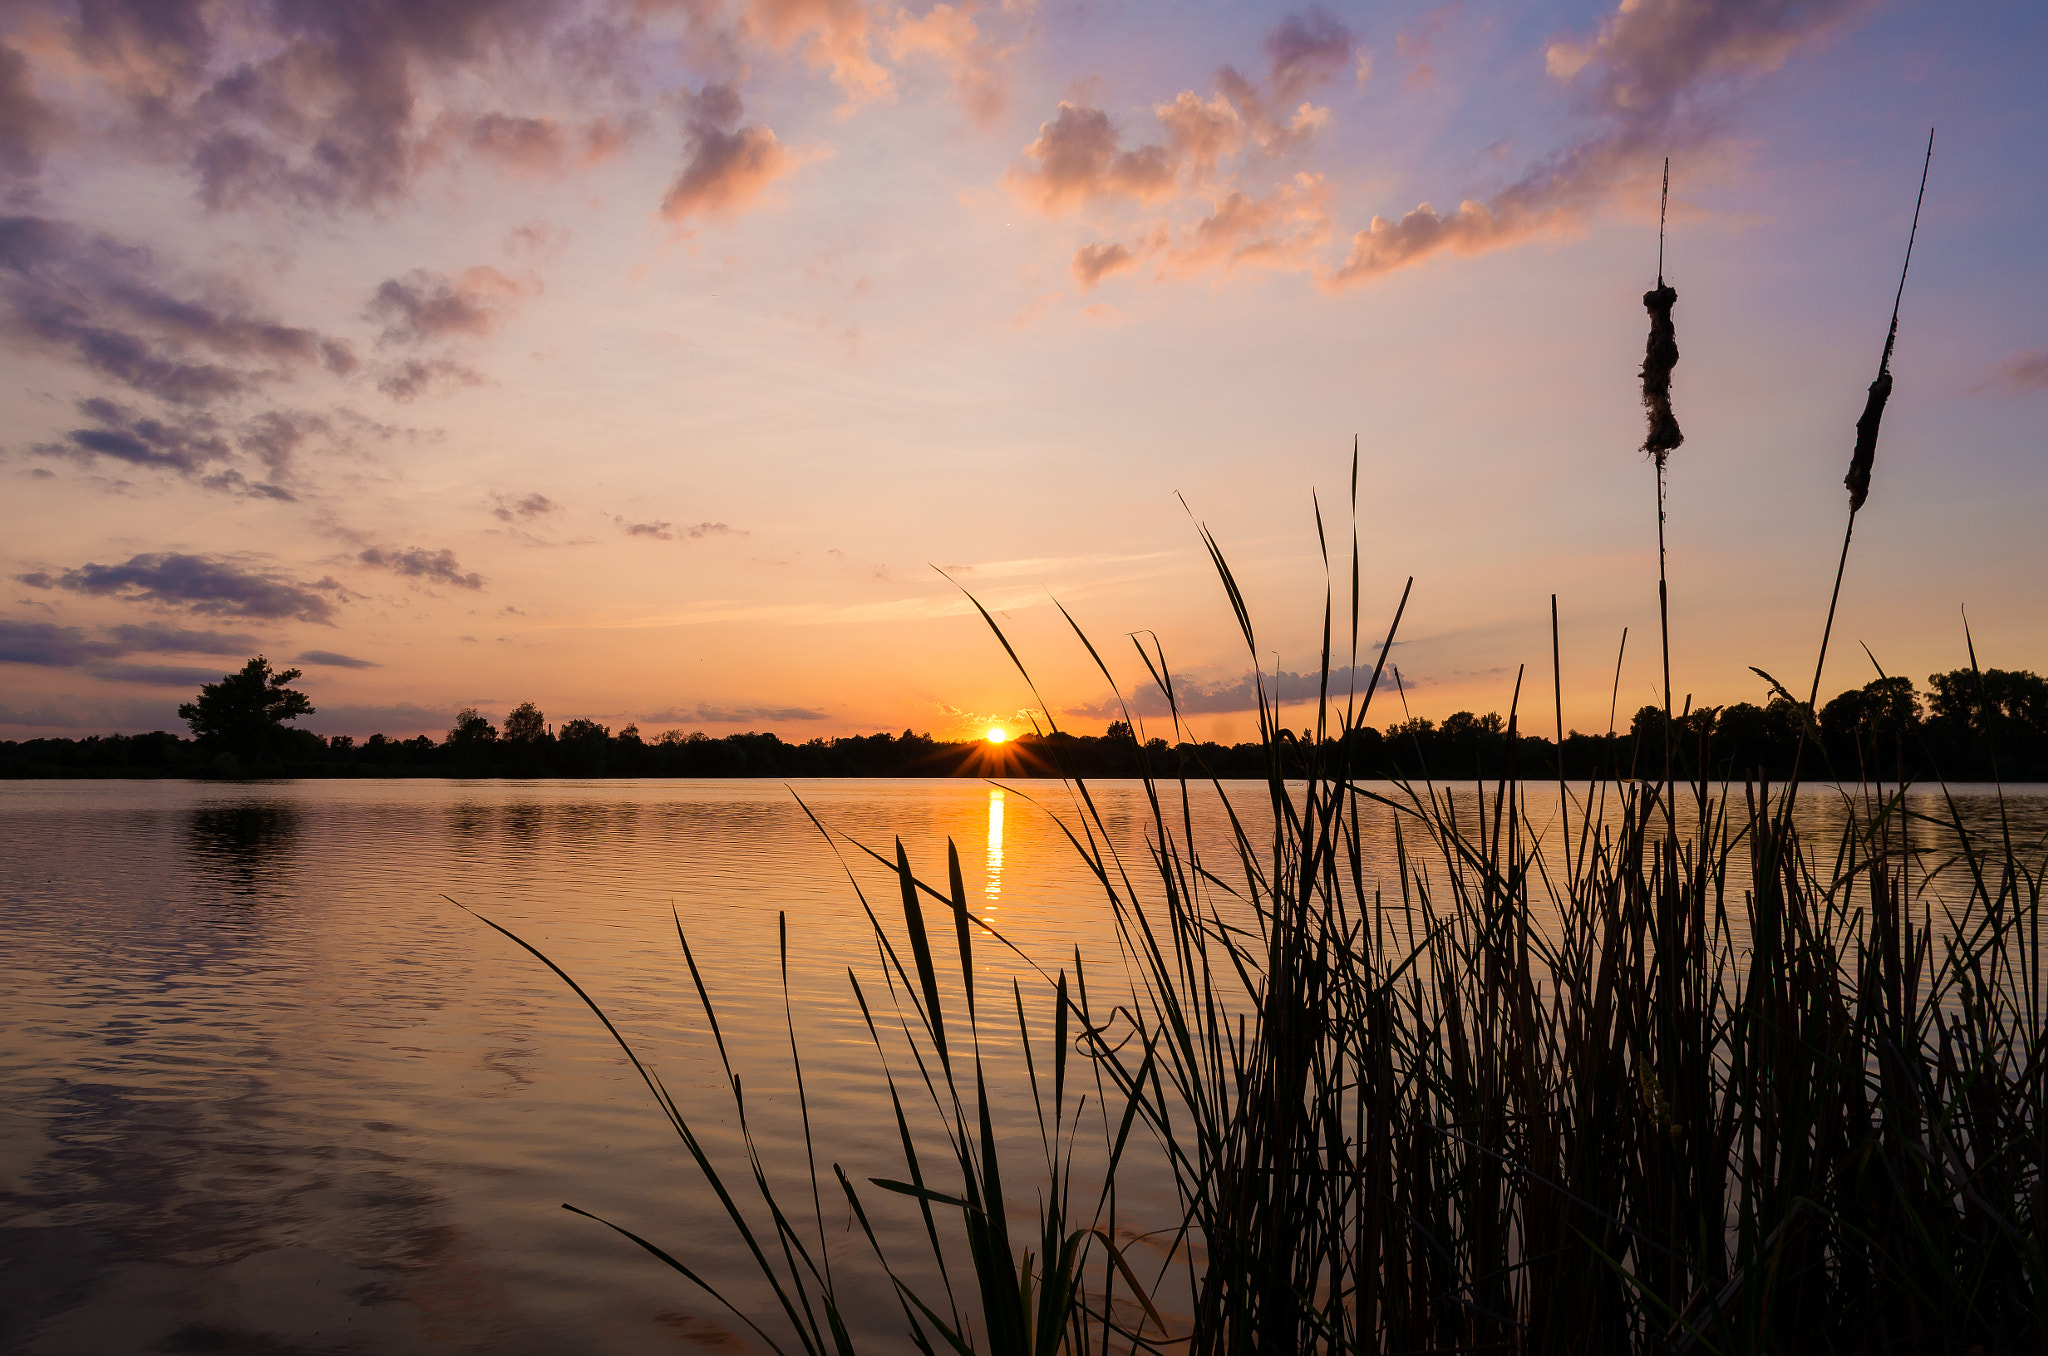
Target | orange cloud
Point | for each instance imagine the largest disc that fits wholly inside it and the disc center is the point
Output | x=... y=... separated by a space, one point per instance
x=730 y=165
x=1079 y=157
x=1648 y=54
x=834 y=35
x=1388 y=245
x=1093 y=263
x=1645 y=72
x=1282 y=229
x=424 y=306
x=1201 y=131
x=950 y=36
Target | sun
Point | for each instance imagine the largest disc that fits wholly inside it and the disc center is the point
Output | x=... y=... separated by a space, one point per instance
x=997 y=734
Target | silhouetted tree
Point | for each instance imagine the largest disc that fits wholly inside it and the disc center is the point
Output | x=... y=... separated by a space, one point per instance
x=472 y=728
x=1993 y=718
x=525 y=725
x=244 y=713
x=472 y=740
x=582 y=746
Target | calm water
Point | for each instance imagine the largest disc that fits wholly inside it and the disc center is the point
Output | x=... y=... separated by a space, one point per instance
x=264 y=1088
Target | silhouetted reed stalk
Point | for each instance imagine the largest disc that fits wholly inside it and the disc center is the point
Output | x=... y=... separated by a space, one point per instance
x=1697 y=1087
x=1865 y=455
x=1660 y=355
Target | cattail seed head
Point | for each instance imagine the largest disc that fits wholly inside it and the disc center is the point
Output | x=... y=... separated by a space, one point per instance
x=1659 y=357
x=1858 y=479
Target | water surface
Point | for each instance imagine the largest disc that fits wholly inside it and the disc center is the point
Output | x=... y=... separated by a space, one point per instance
x=267 y=1088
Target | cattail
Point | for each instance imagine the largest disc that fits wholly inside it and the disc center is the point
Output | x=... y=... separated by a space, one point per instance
x=1658 y=359
x=1660 y=355
x=1858 y=479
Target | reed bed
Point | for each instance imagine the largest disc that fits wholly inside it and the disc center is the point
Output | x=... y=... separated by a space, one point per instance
x=1620 y=1088
x=1667 y=1077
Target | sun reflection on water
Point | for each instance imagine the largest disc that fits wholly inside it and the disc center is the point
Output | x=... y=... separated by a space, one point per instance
x=994 y=889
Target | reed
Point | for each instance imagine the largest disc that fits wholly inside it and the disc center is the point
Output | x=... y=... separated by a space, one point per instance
x=1666 y=1076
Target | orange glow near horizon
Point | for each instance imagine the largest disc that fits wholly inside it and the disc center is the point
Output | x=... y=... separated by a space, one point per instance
x=997 y=734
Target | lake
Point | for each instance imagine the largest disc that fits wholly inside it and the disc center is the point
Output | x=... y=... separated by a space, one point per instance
x=266 y=1087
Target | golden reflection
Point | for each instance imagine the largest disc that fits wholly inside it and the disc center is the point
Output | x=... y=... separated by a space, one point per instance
x=994 y=889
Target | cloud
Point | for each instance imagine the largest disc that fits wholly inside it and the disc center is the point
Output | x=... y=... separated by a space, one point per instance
x=156 y=675
x=523 y=509
x=47 y=718
x=1649 y=55
x=536 y=240
x=1080 y=157
x=545 y=146
x=1211 y=150
x=423 y=306
x=93 y=300
x=1307 y=50
x=705 y=714
x=183 y=443
x=203 y=584
x=192 y=444
x=1093 y=263
x=834 y=36
x=157 y=638
x=1277 y=230
x=197 y=350
x=2023 y=371
x=1201 y=131
x=46 y=644
x=435 y=567
x=49 y=645
x=730 y=166
x=1196 y=698
x=275 y=437
x=25 y=122
x=661 y=530
x=1475 y=227
x=321 y=104
x=1652 y=75
x=234 y=482
x=336 y=661
x=950 y=36
x=414 y=377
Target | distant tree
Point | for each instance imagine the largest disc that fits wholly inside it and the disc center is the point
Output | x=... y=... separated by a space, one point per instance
x=472 y=729
x=584 y=732
x=1463 y=725
x=244 y=712
x=525 y=725
x=1995 y=720
x=1119 y=732
x=1749 y=739
x=1986 y=701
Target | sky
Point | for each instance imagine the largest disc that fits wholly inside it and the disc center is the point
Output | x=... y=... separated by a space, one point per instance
x=697 y=364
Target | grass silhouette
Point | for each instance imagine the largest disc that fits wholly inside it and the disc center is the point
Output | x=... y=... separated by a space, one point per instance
x=1667 y=1077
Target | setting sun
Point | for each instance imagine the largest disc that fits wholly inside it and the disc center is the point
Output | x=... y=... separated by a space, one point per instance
x=997 y=735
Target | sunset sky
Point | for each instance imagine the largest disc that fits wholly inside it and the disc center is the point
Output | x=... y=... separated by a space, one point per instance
x=644 y=359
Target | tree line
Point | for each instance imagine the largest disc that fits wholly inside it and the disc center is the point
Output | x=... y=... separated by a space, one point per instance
x=1969 y=725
